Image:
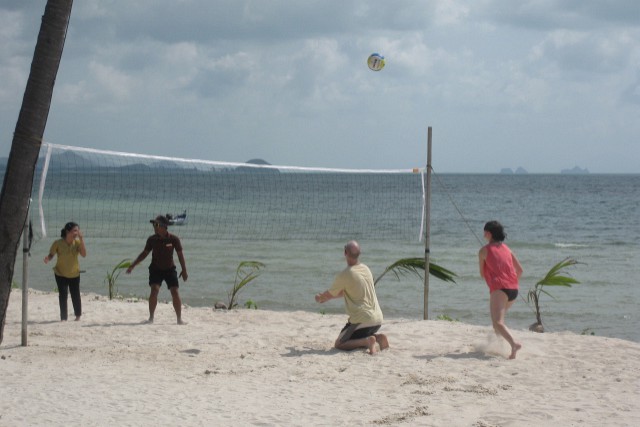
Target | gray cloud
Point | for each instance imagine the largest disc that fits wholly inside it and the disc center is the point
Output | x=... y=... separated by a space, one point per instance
x=287 y=81
x=546 y=15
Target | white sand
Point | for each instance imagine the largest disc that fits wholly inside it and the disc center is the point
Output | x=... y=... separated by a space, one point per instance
x=255 y=367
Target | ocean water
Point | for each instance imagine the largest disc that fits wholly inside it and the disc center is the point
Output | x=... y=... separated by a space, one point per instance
x=593 y=218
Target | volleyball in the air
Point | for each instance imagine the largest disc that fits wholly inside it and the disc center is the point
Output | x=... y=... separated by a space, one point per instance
x=375 y=62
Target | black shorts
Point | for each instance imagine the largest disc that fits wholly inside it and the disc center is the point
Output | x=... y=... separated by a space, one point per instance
x=170 y=276
x=352 y=332
x=511 y=293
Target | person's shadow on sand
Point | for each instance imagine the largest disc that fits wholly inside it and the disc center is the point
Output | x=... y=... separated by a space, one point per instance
x=294 y=352
x=471 y=355
x=108 y=325
x=42 y=322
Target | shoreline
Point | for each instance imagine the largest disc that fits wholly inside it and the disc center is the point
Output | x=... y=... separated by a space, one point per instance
x=260 y=367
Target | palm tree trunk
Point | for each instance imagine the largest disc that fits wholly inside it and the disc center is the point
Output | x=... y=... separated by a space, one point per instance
x=27 y=139
x=537 y=304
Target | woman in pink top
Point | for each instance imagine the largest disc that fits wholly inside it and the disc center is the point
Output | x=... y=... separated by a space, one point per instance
x=501 y=270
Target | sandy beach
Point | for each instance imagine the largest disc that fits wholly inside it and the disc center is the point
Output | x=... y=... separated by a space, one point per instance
x=265 y=368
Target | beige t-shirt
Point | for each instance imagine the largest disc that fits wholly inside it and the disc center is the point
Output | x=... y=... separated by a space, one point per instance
x=359 y=294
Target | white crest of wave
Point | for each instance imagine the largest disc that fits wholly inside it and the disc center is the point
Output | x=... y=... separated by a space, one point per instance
x=570 y=245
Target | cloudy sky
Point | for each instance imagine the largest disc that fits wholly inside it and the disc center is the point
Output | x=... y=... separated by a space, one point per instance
x=545 y=85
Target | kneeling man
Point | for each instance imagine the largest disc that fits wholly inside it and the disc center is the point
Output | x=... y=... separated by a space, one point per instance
x=355 y=284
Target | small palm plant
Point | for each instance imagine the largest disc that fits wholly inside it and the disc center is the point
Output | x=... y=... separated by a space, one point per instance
x=112 y=276
x=246 y=272
x=415 y=266
x=555 y=277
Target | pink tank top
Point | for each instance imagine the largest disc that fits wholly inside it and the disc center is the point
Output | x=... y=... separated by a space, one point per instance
x=499 y=272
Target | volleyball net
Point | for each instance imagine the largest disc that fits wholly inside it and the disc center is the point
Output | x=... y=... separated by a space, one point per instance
x=116 y=194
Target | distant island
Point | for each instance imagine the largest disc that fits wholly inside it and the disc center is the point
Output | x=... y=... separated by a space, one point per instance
x=575 y=171
x=256 y=170
x=70 y=160
x=508 y=171
x=522 y=171
x=258 y=162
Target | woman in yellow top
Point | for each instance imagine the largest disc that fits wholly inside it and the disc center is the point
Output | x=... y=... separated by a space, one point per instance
x=67 y=269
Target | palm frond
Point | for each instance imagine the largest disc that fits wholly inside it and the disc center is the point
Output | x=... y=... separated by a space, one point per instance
x=442 y=273
x=542 y=291
x=246 y=272
x=112 y=276
x=555 y=276
x=415 y=266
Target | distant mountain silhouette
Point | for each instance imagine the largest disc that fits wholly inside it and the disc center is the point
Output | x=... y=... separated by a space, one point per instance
x=135 y=167
x=575 y=171
x=258 y=162
x=165 y=164
x=71 y=160
x=509 y=171
x=257 y=170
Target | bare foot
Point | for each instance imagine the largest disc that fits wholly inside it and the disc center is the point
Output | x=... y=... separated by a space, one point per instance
x=181 y=322
x=382 y=340
x=77 y=318
x=514 y=350
x=149 y=321
x=371 y=345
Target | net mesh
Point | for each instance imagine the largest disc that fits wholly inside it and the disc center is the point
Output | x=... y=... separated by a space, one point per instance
x=115 y=194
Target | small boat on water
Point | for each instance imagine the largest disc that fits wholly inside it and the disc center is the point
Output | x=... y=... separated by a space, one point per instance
x=180 y=219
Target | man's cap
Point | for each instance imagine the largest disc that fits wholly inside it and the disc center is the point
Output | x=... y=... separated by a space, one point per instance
x=162 y=220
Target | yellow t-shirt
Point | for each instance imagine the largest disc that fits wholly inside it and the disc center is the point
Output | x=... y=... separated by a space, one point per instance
x=359 y=294
x=67 y=264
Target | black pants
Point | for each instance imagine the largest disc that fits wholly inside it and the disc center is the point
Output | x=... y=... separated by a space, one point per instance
x=69 y=286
